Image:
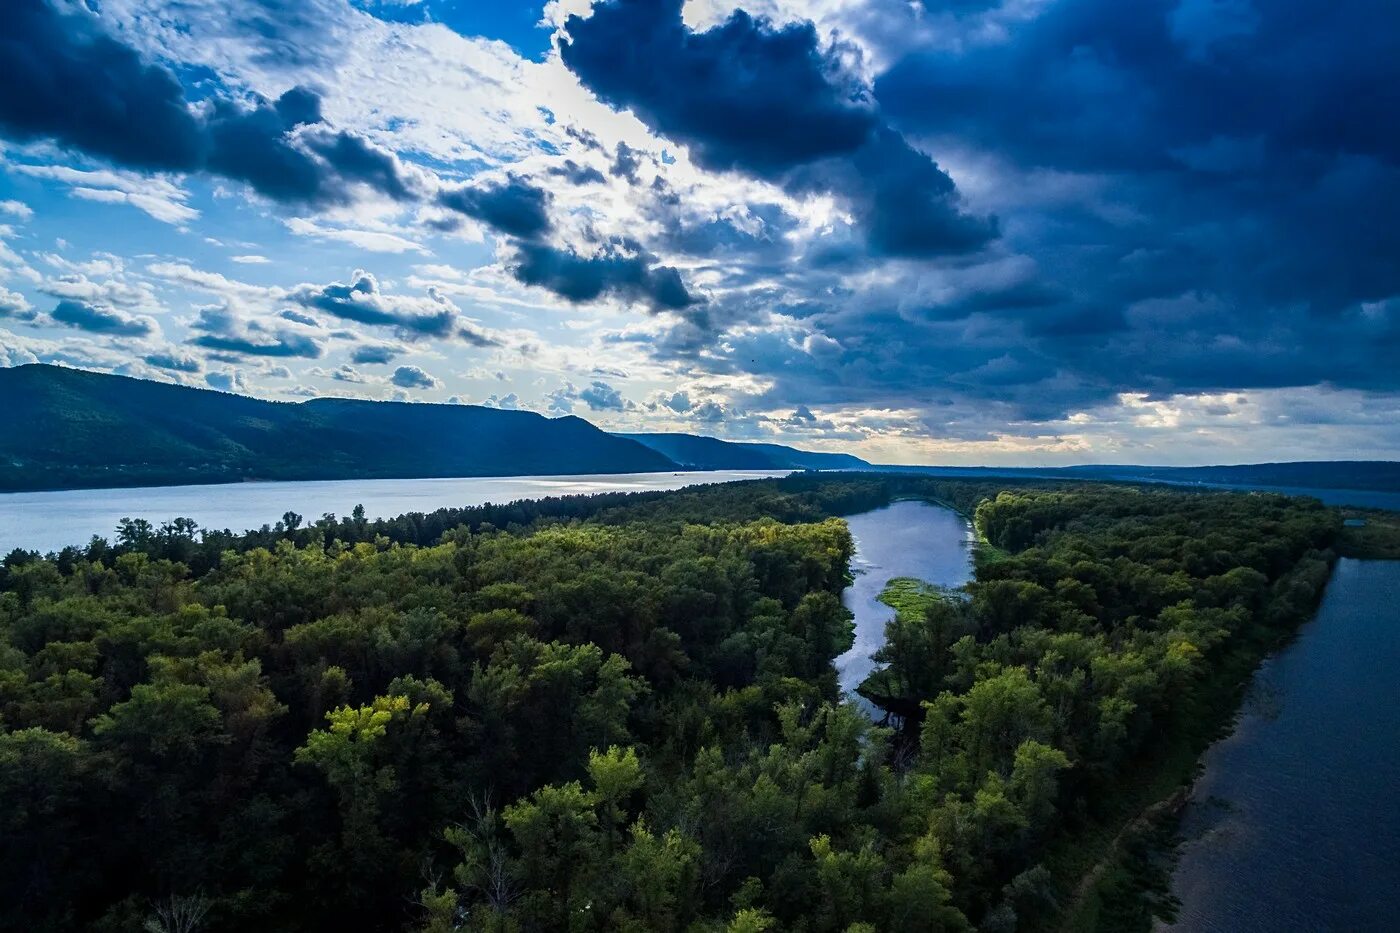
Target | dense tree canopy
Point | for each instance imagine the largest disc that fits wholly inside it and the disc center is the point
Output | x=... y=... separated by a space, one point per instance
x=615 y=712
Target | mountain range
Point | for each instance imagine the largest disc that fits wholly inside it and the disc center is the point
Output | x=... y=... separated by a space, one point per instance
x=63 y=428
x=694 y=452
x=68 y=428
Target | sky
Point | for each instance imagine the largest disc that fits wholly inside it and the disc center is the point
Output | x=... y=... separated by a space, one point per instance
x=922 y=231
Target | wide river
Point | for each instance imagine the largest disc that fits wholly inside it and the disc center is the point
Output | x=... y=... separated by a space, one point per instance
x=1295 y=821
x=48 y=521
x=904 y=539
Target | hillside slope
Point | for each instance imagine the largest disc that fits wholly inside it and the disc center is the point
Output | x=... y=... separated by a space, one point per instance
x=66 y=428
x=709 y=453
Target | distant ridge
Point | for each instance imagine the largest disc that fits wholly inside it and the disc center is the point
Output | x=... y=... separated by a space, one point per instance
x=64 y=428
x=68 y=428
x=1381 y=475
x=1371 y=475
x=709 y=453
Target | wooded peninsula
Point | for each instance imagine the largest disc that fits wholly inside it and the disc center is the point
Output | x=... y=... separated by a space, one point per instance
x=619 y=712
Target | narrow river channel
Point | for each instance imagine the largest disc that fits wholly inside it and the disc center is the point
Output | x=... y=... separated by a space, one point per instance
x=904 y=539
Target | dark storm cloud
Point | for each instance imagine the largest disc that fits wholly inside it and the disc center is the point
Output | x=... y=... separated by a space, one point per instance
x=1196 y=196
x=620 y=269
x=175 y=362
x=297 y=317
x=96 y=319
x=362 y=301
x=227 y=333
x=274 y=345
x=514 y=207
x=742 y=95
x=1223 y=86
x=520 y=211
x=1251 y=152
x=905 y=202
x=357 y=161
x=578 y=174
x=773 y=103
x=62 y=78
x=626 y=163
x=299 y=106
x=600 y=396
x=757 y=239
x=376 y=353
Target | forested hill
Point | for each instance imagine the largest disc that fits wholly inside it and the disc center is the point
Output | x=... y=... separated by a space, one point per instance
x=63 y=428
x=710 y=453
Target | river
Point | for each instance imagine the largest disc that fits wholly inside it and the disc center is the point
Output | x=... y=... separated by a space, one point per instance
x=1294 y=823
x=904 y=539
x=49 y=521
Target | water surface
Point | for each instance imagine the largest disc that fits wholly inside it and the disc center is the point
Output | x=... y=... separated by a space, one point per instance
x=1295 y=822
x=903 y=539
x=48 y=521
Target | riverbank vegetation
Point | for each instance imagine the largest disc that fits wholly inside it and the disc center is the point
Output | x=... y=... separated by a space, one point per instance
x=1136 y=617
x=1371 y=534
x=608 y=713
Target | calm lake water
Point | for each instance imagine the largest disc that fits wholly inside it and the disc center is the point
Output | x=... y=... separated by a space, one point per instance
x=48 y=521
x=1295 y=822
x=903 y=539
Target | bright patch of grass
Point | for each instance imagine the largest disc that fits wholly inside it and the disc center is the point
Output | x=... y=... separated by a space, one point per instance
x=912 y=597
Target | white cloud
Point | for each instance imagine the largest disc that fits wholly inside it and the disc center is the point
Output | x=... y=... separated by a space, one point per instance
x=156 y=195
x=185 y=274
x=376 y=241
x=15 y=306
x=161 y=209
x=227 y=380
x=509 y=402
x=114 y=289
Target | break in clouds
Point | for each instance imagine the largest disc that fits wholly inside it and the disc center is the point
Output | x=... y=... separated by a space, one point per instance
x=987 y=231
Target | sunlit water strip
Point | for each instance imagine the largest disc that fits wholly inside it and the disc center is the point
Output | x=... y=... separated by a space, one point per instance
x=47 y=521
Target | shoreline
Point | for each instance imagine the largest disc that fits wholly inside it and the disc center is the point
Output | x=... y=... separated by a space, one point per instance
x=1171 y=781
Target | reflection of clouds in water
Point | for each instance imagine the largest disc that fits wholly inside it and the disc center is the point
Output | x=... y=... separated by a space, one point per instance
x=908 y=538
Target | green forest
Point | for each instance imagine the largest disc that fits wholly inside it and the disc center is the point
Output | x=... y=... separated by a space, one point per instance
x=617 y=712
